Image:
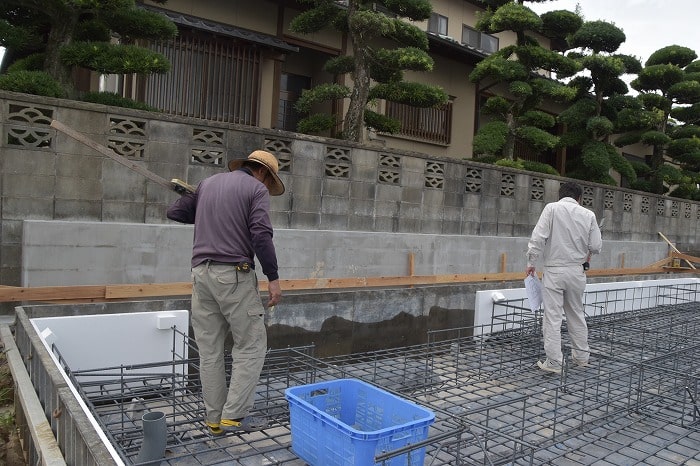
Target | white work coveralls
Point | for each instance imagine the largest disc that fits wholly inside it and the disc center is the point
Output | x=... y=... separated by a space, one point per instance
x=564 y=237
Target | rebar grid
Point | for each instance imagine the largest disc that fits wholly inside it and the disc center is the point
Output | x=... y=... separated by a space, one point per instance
x=492 y=404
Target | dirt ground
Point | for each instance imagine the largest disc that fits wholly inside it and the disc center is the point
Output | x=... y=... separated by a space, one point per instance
x=10 y=447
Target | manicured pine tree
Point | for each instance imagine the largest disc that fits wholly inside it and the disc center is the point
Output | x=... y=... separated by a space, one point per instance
x=517 y=115
x=375 y=72
x=666 y=118
x=47 y=39
x=590 y=121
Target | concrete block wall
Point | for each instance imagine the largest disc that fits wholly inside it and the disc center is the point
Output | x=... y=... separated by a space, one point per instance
x=64 y=253
x=331 y=185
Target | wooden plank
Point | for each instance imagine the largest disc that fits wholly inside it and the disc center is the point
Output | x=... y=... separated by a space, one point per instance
x=675 y=249
x=144 y=290
x=662 y=262
x=686 y=257
x=370 y=282
x=627 y=271
x=51 y=293
x=43 y=438
x=148 y=290
x=670 y=268
x=175 y=184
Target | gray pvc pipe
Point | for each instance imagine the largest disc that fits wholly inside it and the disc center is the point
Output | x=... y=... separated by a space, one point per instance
x=154 y=438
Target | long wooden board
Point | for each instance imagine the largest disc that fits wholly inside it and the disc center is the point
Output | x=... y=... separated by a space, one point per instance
x=175 y=184
x=686 y=257
x=51 y=293
x=675 y=249
x=149 y=290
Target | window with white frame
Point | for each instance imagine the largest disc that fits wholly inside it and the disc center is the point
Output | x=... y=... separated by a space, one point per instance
x=479 y=40
x=437 y=24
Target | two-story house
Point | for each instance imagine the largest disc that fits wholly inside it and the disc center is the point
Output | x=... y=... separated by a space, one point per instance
x=238 y=62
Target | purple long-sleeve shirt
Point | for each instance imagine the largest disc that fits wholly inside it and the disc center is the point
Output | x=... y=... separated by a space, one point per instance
x=230 y=212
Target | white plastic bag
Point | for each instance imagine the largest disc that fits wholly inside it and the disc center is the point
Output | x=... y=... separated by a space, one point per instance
x=533 y=289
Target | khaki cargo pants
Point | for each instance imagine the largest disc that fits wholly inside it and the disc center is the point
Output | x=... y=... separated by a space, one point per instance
x=223 y=300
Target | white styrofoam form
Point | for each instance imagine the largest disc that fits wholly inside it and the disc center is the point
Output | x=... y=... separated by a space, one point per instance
x=102 y=340
x=599 y=298
x=90 y=342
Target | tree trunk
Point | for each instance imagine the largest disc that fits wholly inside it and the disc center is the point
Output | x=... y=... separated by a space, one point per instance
x=354 y=123
x=354 y=119
x=509 y=146
x=60 y=34
x=657 y=160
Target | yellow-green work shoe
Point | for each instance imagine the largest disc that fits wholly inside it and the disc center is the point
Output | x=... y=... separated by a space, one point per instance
x=215 y=428
x=247 y=424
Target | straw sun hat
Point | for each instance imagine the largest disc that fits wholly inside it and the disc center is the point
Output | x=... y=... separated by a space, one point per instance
x=273 y=182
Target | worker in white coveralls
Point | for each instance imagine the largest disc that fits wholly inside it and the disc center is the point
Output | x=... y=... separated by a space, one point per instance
x=565 y=237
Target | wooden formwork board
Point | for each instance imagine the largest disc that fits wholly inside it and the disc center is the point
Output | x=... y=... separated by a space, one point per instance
x=98 y=293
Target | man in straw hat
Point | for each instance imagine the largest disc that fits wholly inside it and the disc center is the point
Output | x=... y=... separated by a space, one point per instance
x=230 y=213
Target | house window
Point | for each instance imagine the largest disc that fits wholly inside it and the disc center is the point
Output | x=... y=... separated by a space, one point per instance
x=437 y=24
x=429 y=124
x=479 y=40
x=291 y=86
x=211 y=77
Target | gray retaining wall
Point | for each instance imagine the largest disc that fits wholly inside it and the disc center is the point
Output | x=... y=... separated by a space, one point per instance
x=331 y=185
x=59 y=253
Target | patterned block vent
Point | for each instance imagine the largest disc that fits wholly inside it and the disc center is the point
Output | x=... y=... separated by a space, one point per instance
x=127 y=137
x=28 y=127
x=660 y=207
x=675 y=209
x=207 y=147
x=434 y=175
x=646 y=205
x=389 y=169
x=688 y=209
x=507 y=185
x=627 y=202
x=537 y=189
x=338 y=163
x=282 y=149
x=473 y=180
x=609 y=200
x=587 y=198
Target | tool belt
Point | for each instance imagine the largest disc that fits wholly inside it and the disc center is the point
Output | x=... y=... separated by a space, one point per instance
x=244 y=266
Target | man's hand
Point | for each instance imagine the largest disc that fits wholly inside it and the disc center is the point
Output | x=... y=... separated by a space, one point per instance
x=530 y=271
x=275 y=293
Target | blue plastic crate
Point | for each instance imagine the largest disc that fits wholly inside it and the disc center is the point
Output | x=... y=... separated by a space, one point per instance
x=348 y=422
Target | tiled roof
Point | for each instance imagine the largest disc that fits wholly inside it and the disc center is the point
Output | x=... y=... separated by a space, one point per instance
x=223 y=29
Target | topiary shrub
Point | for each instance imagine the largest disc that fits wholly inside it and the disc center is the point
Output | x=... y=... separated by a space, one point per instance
x=518 y=164
x=115 y=100
x=490 y=159
x=33 y=62
x=539 y=167
x=31 y=82
x=316 y=123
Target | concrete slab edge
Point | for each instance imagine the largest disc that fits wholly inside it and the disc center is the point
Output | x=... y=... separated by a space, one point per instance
x=44 y=440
